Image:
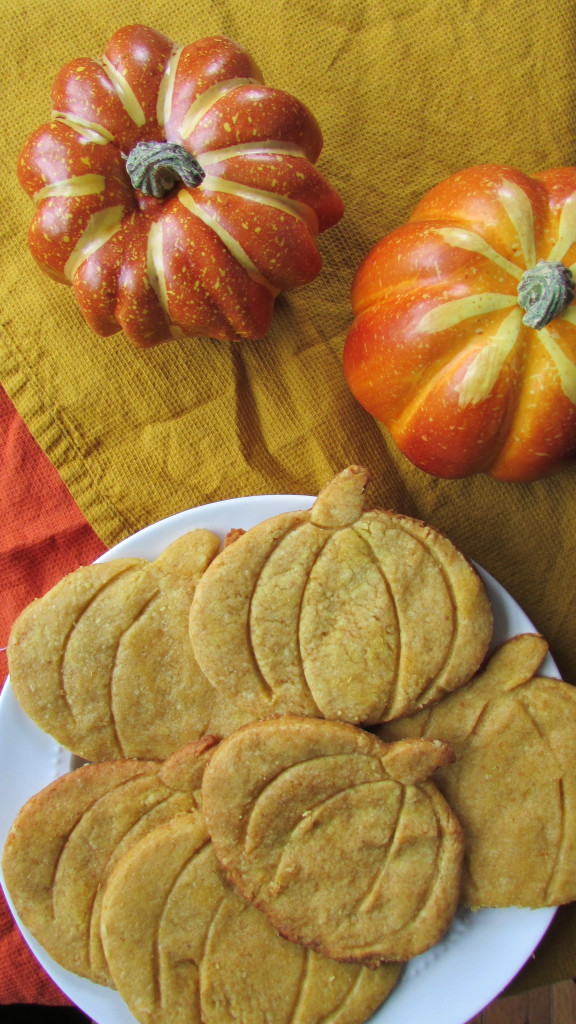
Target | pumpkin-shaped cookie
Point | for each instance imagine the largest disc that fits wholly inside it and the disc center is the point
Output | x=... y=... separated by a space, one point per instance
x=103 y=661
x=337 y=837
x=513 y=781
x=340 y=612
x=68 y=836
x=184 y=948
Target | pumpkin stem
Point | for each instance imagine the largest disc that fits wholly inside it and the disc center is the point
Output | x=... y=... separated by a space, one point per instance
x=544 y=291
x=155 y=167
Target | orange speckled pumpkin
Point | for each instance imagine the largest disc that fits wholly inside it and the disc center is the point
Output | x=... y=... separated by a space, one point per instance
x=175 y=192
x=464 y=338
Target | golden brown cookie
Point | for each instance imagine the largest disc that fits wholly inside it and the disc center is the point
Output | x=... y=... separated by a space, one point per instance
x=337 y=837
x=513 y=782
x=183 y=947
x=66 y=839
x=340 y=612
x=103 y=662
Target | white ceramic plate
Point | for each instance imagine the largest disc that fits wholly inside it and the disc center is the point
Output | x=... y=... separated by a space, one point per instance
x=447 y=985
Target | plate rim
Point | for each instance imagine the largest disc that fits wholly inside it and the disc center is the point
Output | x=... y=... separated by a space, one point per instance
x=98 y=1001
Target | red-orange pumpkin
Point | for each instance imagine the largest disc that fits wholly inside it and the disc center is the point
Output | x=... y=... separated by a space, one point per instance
x=176 y=193
x=464 y=338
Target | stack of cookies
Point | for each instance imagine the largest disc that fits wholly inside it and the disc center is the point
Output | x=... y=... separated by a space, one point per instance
x=300 y=760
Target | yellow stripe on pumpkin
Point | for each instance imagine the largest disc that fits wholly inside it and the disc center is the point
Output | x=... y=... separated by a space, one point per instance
x=166 y=90
x=206 y=100
x=565 y=367
x=156 y=274
x=462 y=238
x=257 y=195
x=233 y=247
x=484 y=370
x=449 y=314
x=566 y=230
x=71 y=188
x=519 y=210
x=89 y=130
x=100 y=228
x=216 y=156
x=125 y=93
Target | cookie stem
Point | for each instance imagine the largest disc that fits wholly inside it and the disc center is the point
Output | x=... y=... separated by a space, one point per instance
x=341 y=502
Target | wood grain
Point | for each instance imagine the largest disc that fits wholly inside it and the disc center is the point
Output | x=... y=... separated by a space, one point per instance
x=553 y=1005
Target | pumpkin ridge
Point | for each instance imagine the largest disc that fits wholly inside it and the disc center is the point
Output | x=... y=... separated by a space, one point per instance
x=88 y=184
x=264 y=148
x=305 y=971
x=560 y=790
x=510 y=433
x=402 y=526
x=389 y=696
x=462 y=237
x=90 y=131
x=565 y=367
x=156 y=956
x=335 y=1017
x=444 y=666
x=270 y=781
x=368 y=900
x=60 y=669
x=227 y=240
x=267 y=687
x=141 y=611
x=429 y=375
x=101 y=227
x=443 y=841
x=302 y=825
x=566 y=229
x=93 y=925
x=206 y=100
x=86 y=810
x=205 y=950
x=562 y=841
x=486 y=367
x=166 y=86
x=219 y=314
x=298 y=645
x=518 y=208
x=292 y=207
x=124 y=92
x=423 y=387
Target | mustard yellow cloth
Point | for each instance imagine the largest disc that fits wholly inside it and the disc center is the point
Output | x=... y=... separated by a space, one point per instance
x=406 y=92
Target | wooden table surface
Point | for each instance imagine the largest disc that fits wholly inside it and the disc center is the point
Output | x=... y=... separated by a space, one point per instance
x=553 y=1005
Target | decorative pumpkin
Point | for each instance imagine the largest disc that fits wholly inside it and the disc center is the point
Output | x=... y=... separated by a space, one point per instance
x=175 y=192
x=464 y=338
